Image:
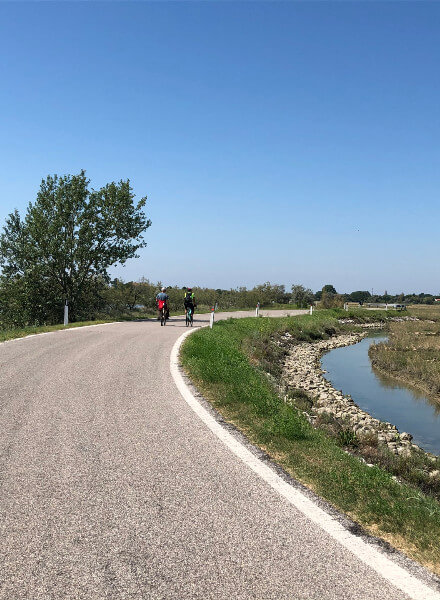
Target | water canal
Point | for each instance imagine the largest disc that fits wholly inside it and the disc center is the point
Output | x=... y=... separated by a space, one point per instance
x=349 y=369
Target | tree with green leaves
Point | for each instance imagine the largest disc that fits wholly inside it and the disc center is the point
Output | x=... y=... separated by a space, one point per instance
x=302 y=296
x=271 y=293
x=328 y=295
x=62 y=249
x=329 y=289
x=359 y=296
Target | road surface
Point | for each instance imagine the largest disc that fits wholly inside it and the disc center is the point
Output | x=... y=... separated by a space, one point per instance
x=113 y=488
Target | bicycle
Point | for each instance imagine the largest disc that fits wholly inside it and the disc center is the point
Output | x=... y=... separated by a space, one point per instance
x=189 y=316
x=162 y=308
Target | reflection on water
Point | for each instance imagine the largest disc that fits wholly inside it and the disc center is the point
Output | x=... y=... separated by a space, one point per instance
x=418 y=396
x=349 y=369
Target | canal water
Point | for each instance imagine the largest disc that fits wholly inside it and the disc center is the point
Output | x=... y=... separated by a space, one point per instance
x=349 y=369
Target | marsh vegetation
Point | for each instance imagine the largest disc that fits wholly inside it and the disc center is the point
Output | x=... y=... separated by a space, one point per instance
x=412 y=351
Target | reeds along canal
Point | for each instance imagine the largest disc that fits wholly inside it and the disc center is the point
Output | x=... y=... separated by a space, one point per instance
x=349 y=369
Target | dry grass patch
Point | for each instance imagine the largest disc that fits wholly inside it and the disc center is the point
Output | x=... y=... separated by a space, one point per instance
x=412 y=353
x=425 y=311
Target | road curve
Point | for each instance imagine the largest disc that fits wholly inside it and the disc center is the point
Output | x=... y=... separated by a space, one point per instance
x=112 y=488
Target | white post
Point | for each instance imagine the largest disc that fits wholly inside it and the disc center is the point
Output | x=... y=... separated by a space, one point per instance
x=311 y=309
x=257 y=310
x=211 y=320
x=66 y=314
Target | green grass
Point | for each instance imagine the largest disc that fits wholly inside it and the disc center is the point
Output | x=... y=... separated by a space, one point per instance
x=10 y=334
x=221 y=309
x=225 y=364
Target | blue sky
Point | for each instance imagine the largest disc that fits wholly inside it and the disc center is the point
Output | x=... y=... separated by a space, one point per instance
x=284 y=142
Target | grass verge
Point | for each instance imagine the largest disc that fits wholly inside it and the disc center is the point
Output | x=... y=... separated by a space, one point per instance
x=10 y=334
x=223 y=364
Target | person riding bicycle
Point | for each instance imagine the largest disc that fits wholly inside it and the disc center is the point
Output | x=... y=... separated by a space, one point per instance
x=189 y=300
x=161 y=301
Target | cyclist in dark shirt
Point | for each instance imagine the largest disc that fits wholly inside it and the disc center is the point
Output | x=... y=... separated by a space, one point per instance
x=189 y=300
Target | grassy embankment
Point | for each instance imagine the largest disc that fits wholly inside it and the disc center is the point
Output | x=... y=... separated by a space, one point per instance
x=229 y=364
x=412 y=353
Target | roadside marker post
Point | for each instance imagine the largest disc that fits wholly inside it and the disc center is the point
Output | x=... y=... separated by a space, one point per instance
x=211 y=320
x=66 y=314
x=257 y=310
x=311 y=309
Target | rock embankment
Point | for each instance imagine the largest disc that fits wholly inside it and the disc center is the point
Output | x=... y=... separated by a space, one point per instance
x=302 y=370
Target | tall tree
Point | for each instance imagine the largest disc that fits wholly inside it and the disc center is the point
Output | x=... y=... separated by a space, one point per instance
x=329 y=289
x=302 y=296
x=359 y=296
x=62 y=250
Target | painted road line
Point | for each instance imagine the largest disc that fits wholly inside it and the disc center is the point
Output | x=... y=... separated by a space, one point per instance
x=26 y=337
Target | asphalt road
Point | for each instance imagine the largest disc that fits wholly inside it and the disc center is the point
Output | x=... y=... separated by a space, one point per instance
x=111 y=487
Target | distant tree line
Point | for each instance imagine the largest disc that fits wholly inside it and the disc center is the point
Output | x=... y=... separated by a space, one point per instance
x=367 y=297
x=123 y=297
x=328 y=296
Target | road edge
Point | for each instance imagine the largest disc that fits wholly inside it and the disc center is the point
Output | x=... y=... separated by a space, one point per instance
x=79 y=328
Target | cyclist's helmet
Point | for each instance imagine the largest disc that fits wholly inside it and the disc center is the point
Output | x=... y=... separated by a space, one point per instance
x=189 y=289
x=164 y=289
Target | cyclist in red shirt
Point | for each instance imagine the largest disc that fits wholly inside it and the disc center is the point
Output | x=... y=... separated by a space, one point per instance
x=161 y=300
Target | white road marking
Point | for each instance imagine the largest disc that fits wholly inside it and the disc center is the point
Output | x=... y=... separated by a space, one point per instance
x=25 y=337
x=393 y=573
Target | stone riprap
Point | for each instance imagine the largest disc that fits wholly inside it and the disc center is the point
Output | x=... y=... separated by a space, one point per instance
x=302 y=370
